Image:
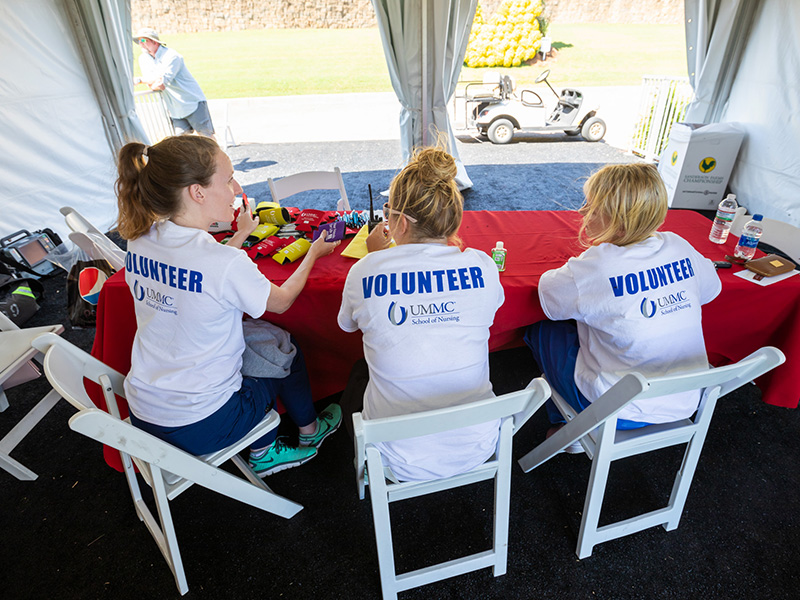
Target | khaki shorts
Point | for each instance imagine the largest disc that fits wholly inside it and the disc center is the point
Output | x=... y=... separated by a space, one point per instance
x=199 y=121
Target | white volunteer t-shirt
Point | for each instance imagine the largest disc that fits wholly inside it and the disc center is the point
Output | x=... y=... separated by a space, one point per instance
x=425 y=312
x=638 y=309
x=189 y=293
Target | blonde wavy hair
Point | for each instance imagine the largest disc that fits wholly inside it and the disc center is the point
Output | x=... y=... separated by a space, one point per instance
x=426 y=190
x=625 y=204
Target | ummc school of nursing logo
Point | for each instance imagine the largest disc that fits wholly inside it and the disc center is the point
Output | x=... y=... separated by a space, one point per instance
x=424 y=314
x=665 y=304
x=648 y=308
x=153 y=298
x=397 y=314
x=707 y=164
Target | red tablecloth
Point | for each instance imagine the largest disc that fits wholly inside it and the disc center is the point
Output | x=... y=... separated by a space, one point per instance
x=743 y=318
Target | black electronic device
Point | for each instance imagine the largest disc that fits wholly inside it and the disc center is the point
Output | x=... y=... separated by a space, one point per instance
x=373 y=222
x=28 y=251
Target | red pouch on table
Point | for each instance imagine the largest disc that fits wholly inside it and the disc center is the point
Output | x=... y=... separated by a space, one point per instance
x=268 y=247
x=310 y=219
x=293 y=212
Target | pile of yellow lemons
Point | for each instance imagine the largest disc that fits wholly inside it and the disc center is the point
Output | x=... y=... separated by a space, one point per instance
x=510 y=37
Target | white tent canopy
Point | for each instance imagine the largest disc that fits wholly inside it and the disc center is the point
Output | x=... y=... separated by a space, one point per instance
x=66 y=101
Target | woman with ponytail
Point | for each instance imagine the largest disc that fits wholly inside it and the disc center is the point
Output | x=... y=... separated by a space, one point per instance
x=190 y=293
x=424 y=308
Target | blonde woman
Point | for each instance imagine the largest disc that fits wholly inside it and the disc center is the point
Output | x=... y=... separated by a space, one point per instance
x=631 y=302
x=185 y=383
x=424 y=308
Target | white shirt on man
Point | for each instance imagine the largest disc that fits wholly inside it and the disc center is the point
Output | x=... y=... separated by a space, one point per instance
x=189 y=294
x=182 y=93
x=425 y=312
x=638 y=308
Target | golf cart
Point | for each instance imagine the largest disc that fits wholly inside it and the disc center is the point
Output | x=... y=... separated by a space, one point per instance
x=499 y=116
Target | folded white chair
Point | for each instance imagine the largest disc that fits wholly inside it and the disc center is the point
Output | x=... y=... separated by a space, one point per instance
x=17 y=367
x=93 y=241
x=596 y=428
x=512 y=409
x=167 y=469
x=309 y=180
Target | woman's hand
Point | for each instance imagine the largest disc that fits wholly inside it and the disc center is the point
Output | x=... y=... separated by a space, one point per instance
x=246 y=222
x=379 y=238
x=322 y=248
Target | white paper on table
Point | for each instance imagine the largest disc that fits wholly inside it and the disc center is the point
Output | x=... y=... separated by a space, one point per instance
x=750 y=276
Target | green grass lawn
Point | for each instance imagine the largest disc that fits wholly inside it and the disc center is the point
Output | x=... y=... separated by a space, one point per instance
x=280 y=62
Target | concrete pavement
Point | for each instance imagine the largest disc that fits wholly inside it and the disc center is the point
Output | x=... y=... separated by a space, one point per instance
x=374 y=116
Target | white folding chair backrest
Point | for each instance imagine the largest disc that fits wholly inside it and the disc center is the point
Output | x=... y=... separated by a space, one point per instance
x=596 y=428
x=783 y=236
x=309 y=180
x=512 y=409
x=167 y=469
x=93 y=241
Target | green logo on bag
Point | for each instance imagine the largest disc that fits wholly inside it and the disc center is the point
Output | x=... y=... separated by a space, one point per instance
x=674 y=158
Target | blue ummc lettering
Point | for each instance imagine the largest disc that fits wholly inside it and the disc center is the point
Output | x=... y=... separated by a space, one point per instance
x=179 y=277
x=421 y=282
x=651 y=278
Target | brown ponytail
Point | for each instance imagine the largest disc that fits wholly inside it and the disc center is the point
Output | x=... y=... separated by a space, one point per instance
x=426 y=190
x=151 y=179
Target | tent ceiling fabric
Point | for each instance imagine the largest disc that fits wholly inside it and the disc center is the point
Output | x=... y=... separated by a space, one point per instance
x=51 y=130
x=424 y=42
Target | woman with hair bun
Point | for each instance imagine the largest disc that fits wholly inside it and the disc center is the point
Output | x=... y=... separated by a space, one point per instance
x=424 y=308
x=185 y=383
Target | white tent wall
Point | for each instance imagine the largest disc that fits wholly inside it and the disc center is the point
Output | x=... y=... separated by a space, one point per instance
x=740 y=74
x=55 y=149
x=765 y=99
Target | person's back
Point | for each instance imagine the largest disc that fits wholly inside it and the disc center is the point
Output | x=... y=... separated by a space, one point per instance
x=425 y=308
x=631 y=302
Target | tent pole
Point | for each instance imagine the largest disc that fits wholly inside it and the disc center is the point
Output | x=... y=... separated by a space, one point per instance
x=425 y=103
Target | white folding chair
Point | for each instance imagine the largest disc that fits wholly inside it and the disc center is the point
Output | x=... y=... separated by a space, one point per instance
x=513 y=409
x=783 y=236
x=596 y=428
x=167 y=469
x=309 y=180
x=93 y=241
x=16 y=367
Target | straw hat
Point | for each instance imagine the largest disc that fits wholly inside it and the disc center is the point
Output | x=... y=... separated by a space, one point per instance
x=149 y=33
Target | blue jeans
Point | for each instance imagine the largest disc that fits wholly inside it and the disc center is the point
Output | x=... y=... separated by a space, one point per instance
x=555 y=347
x=244 y=410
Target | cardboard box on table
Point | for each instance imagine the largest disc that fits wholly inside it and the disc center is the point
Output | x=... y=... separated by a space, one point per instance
x=697 y=163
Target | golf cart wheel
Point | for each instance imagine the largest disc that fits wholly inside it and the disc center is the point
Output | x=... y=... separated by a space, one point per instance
x=594 y=129
x=501 y=131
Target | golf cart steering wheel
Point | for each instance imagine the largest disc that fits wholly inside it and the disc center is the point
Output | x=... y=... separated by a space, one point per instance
x=543 y=76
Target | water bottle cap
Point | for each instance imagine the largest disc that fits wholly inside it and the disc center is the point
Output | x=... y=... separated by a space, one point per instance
x=757 y=217
x=499 y=245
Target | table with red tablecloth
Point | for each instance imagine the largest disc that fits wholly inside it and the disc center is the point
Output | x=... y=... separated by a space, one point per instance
x=743 y=318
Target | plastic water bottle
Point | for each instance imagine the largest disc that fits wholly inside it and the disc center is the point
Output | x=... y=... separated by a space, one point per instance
x=746 y=248
x=499 y=256
x=722 y=222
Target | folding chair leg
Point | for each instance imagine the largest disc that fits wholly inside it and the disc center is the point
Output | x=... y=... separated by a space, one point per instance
x=20 y=430
x=169 y=541
x=502 y=501
x=683 y=480
x=3 y=400
x=587 y=536
x=383 y=528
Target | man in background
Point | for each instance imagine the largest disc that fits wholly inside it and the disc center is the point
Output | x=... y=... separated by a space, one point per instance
x=163 y=69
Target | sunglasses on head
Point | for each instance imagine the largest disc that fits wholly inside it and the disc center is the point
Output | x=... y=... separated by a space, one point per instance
x=387 y=211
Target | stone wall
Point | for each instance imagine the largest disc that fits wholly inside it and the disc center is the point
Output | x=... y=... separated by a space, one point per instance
x=178 y=16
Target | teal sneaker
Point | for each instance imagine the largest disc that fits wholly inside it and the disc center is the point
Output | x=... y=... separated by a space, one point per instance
x=328 y=421
x=279 y=457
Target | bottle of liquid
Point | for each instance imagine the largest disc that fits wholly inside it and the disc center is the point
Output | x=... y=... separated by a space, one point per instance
x=722 y=222
x=746 y=248
x=499 y=256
